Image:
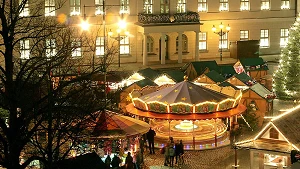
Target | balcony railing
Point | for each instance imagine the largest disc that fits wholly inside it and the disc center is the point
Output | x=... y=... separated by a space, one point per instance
x=189 y=17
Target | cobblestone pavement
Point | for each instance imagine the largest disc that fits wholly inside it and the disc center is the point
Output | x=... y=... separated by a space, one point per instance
x=220 y=158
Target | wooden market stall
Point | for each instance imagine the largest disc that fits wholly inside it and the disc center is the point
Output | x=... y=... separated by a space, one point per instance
x=275 y=141
x=256 y=68
x=211 y=77
x=261 y=98
x=197 y=68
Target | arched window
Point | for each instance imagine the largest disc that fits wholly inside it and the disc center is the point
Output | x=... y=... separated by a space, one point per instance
x=150 y=44
x=274 y=133
x=184 y=43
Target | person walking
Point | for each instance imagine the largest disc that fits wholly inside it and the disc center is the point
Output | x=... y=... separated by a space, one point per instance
x=150 y=136
x=177 y=149
x=115 y=162
x=166 y=154
x=129 y=162
x=171 y=154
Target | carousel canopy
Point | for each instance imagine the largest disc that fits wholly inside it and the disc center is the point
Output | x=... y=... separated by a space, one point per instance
x=185 y=97
x=108 y=124
x=186 y=92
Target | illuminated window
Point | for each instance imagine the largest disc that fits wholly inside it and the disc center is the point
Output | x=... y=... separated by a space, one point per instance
x=224 y=6
x=202 y=41
x=181 y=6
x=49 y=7
x=74 y=7
x=150 y=44
x=24 y=49
x=244 y=35
x=164 y=6
x=274 y=133
x=202 y=6
x=25 y=10
x=184 y=43
x=245 y=5
x=223 y=42
x=124 y=6
x=100 y=46
x=284 y=36
x=76 y=51
x=285 y=4
x=265 y=5
x=50 y=48
x=98 y=7
x=148 y=6
x=264 y=38
x=124 y=45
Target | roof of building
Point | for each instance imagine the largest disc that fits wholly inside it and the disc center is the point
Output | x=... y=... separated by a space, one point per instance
x=145 y=82
x=287 y=125
x=215 y=76
x=149 y=73
x=227 y=70
x=175 y=75
x=261 y=90
x=200 y=66
x=227 y=84
x=85 y=161
x=255 y=63
x=243 y=77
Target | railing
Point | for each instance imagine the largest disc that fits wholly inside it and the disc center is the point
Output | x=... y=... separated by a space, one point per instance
x=190 y=17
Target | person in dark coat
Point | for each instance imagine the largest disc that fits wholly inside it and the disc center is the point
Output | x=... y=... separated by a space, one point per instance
x=115 y=162
x=129 y=162
x=107 y=162
x=150 y=136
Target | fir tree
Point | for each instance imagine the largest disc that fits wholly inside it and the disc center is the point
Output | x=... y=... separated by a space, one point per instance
x=286 y=80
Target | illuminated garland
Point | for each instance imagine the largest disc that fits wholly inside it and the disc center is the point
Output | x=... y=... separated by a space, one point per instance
x=184 y=108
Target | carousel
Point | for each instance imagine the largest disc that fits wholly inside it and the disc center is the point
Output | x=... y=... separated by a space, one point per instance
x=200 y=116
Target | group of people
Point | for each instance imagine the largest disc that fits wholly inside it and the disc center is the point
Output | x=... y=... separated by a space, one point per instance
x=172 y=151
x=130 y=161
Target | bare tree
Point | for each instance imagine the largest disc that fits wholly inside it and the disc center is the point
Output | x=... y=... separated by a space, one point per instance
x=44 y=89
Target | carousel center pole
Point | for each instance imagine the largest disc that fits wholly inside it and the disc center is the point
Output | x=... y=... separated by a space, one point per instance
x=216 y=139
x=194 y=144
x=169 y=128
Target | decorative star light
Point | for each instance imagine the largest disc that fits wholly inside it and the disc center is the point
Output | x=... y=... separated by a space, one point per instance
x=159 y=96
x=184 y=98
x=175 y=90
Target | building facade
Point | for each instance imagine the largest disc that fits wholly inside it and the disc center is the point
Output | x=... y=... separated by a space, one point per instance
x=180 y=30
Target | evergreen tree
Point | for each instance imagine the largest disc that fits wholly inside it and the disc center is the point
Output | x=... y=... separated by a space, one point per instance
x=286 y=80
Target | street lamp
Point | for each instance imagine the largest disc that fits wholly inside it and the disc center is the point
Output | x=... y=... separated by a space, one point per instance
x=122 y=25
x=221 y=33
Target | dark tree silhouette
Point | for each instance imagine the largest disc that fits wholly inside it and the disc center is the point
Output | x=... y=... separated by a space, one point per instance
x=46 y=94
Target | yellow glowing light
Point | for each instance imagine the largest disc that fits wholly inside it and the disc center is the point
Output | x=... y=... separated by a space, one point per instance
x=122 y=24
x=85 y=25
x=164 y=80
x=183 y=99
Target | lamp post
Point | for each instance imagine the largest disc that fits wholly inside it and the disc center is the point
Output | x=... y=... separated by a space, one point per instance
x=119 y=38
x=221 y=33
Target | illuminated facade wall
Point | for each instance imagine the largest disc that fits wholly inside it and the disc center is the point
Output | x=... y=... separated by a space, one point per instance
x=249 y=20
